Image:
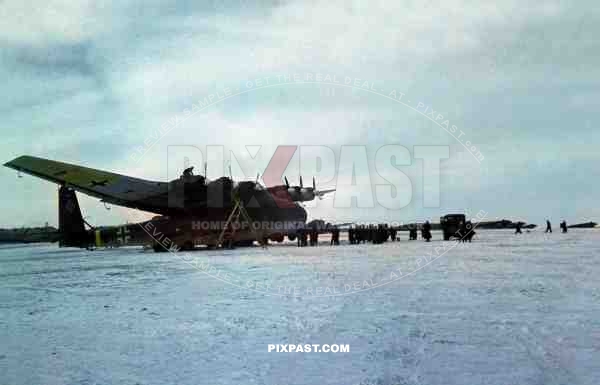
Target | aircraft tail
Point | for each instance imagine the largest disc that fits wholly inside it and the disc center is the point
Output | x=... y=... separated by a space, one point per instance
x=70 y=220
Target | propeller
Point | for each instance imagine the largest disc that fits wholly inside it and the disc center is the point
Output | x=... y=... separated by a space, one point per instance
x=298 y=189
x=317 y=194
x=305 y=193
x=320 y=194
x=290 y=189
x=306 y=190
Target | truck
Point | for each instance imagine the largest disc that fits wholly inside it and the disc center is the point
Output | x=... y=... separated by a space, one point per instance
x=451 y=225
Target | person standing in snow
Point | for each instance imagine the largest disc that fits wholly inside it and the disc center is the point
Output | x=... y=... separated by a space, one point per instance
x=426 y=231
x=563 y=226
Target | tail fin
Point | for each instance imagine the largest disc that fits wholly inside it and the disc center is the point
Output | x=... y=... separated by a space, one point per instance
x=70 y=220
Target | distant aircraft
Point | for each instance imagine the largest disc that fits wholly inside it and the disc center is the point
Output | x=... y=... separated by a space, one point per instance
x=183 y=203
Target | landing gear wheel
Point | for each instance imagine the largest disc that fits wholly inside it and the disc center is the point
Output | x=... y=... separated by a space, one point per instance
x=158 y=248
x=187 y=246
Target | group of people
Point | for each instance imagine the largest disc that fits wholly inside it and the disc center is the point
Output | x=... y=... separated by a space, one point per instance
x=374 y=234
x=310 y=236
x=382 y=233
x=563 y=227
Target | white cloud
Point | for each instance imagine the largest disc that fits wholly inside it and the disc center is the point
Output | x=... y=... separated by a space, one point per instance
x=150 y=61
x=24 y=22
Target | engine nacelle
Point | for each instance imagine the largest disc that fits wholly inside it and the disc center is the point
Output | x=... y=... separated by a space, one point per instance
x=307 y=195
x=294 y=194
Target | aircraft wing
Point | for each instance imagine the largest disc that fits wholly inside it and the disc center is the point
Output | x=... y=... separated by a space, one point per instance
x=109 y=187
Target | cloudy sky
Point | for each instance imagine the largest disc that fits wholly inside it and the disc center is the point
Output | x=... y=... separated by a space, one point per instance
x=89 y=81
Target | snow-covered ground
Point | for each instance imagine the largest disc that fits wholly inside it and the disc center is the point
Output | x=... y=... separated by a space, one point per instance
x=505 y=309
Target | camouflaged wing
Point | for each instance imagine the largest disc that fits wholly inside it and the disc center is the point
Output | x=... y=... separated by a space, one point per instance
x=110 y=187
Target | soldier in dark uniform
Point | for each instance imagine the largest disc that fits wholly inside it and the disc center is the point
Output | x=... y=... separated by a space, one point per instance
x=468 y=232
x=426 y=231
x=188 y=171
x=335 y=236
x=518 y=228
x=265 y=242
x=463 y=233
x=563 y=226
x=302 y=237
x=393 y=233
x=412 y=232
x=314 y=236
x=377 y=234
x=548 y=226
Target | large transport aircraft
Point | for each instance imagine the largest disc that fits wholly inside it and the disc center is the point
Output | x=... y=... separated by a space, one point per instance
x=191 y=209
